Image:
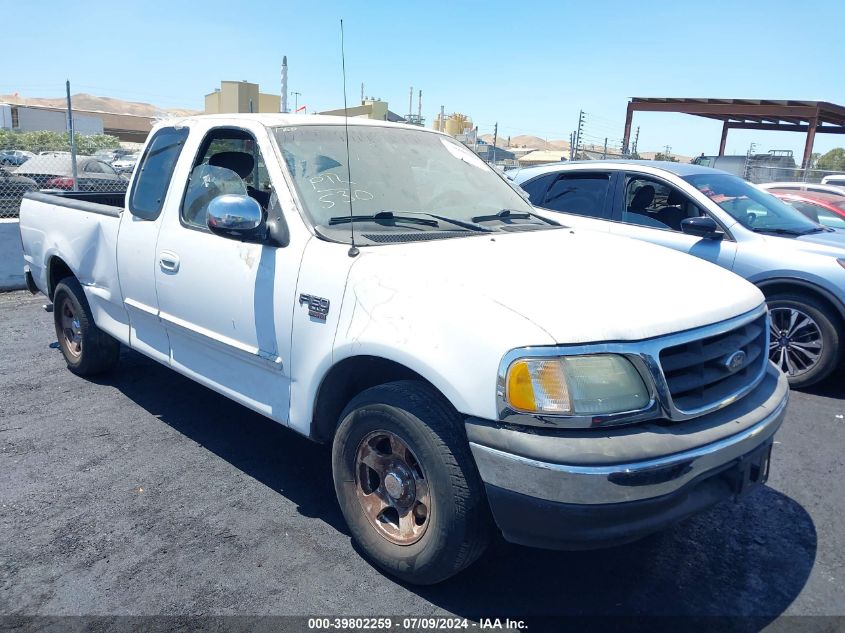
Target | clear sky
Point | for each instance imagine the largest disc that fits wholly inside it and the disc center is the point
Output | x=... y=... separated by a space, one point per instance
x=530 y=66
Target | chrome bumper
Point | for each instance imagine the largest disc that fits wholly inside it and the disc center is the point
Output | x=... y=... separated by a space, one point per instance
x=591 y=480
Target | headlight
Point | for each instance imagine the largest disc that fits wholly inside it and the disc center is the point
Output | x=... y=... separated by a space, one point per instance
x=575 y=385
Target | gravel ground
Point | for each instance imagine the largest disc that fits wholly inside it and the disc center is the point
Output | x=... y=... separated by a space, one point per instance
x=143 y=493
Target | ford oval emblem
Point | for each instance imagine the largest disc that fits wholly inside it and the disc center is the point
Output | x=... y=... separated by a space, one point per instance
x=735 y=361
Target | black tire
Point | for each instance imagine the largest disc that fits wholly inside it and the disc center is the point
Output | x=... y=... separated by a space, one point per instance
x=827 y=322
x=96 y=352
x=458 y=526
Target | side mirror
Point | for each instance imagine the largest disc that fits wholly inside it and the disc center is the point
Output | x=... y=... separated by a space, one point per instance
x=236 y=217
x=703 y=226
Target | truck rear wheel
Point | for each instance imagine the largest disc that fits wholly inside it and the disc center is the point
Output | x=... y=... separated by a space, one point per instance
x=87 y=349
x=407 y=484
x=803 y=338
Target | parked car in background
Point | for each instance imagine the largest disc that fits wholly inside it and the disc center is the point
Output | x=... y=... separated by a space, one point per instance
x=12 y=189
x=111 y=155
x=825 y=208
x=804 y=186
x=835 y=179
x=126 y=164
x=773 y=165
x=14 y=157
x=797 y=263
x=56 y=172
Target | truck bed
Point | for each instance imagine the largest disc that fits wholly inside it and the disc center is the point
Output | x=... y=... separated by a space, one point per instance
x=76 y=232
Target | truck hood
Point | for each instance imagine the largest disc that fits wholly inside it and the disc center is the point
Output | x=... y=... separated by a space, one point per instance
x=578 y=286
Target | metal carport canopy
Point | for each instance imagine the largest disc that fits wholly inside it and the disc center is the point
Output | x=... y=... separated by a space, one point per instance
x=810 y=117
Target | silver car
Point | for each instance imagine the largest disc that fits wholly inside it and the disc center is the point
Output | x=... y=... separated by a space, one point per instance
x=798 y=264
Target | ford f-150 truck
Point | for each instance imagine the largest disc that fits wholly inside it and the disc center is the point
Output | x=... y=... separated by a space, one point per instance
x=379 y=288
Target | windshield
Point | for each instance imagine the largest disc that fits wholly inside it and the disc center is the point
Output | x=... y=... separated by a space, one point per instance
x=754 y=209
x=402 y=182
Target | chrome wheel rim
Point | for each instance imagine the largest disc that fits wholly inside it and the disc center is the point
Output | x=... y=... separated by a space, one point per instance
x=71 y=329
x=795 y=341
x=392 y=488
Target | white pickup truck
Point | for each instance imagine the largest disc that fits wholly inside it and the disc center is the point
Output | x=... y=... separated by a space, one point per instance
x=379 y=288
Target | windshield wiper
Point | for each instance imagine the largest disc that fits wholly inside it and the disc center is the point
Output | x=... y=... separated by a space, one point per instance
x=510 y=214
x=381 y=216
x=389 y=215
x=818 y=229
x=461 y=223
x=776 y=231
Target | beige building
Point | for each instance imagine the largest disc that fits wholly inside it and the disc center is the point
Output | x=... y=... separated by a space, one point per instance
x=540 y=156
x=369 y=109
x=236 y=96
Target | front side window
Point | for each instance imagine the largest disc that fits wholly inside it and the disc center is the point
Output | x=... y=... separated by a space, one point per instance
x=656 y=204
x=753 y=208
x=155 y=172
x=579 y=193
x=228 y=161
x=396 y=180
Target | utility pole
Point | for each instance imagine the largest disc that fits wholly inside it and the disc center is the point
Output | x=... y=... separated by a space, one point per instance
x=72 y=131
x=668 y=150
x=295 y=96
x=580 y=132
x=604 y=153
x=495 y=137
x=362 y=93
x=571 y=146
x=442 y=125
x=636 y=138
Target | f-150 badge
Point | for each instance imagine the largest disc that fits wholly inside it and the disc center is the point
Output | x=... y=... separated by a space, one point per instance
x=317 y=306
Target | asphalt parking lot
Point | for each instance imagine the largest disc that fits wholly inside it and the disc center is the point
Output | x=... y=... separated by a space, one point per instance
x=143 y=493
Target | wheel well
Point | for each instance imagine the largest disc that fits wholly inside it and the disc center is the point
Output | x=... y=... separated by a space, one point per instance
x=57 y=270
x=346 y=380
x=786 y=287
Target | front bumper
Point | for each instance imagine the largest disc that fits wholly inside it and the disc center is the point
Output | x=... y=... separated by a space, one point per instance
x=593 y=488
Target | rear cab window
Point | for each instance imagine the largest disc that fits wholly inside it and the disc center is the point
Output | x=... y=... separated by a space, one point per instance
x=155 y=171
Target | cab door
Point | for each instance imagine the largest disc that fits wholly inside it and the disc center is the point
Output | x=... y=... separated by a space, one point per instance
x=651 y=209
x=150 y=194
x=227 y=305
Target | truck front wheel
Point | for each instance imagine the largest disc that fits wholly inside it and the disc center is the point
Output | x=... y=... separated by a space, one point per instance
x=87 y=349
x=407 y=484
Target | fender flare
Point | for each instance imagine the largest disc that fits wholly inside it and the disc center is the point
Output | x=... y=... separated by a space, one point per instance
x=807 y=285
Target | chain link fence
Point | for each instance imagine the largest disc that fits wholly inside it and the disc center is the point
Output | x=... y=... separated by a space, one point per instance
x=44 y=161
x=761 y=171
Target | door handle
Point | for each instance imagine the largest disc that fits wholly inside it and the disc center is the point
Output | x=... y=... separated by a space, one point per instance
x=168 y=262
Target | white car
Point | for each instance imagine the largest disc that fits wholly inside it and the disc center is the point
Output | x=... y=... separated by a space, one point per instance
x=462 y=355
x=837 y=180
x=838 y=190
x=125 y=164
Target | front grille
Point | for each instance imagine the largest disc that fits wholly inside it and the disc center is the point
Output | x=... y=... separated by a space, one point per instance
x=697 y=373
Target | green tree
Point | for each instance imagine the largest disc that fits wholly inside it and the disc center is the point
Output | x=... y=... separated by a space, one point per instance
x=44 y=141
x=834 y=160
x=662 y=156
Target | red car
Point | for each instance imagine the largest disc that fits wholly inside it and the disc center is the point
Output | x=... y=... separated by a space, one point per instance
x=827 y=209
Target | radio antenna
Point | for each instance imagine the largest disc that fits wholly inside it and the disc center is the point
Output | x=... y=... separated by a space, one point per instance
x=353 y=250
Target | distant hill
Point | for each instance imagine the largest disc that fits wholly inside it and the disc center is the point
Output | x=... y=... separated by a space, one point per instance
x=94 y=103
x=535 y=142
